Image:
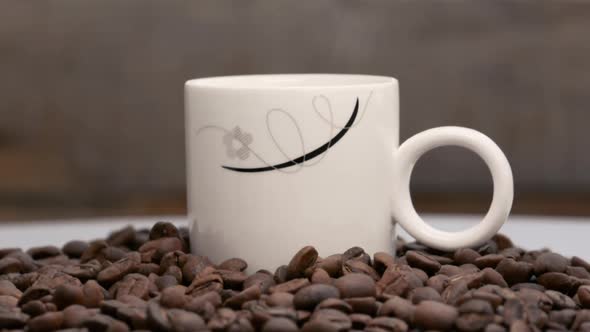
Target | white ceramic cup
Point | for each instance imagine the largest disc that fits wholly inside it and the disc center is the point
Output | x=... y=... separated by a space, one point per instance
x=277 y=162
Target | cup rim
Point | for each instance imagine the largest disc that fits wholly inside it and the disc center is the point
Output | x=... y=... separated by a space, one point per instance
x=291 y=81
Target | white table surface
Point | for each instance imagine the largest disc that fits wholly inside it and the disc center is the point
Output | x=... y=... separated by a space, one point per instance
x=566 y=235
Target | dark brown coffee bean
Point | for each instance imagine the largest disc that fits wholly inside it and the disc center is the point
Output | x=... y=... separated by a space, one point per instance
x=335 y=317
x=174 y=297
x=49 y=321
x=491 y=260
x=193 y=266
x=185 y=321
x=157 y=318
x=434 y=315
x=232 y=279
x=519 y=326
x=9 y=289
x=335 y=303
x=236 y=301
x=360 y=321
x=388 y=324
x=420 y=294
x=438 y=282
x=491 y=276
x=165 y=281
x=93 y=294
x=66 y=295
x=321 y=326
x=206 y=283
x=156 y=249
x=308 y=297
x=557 y=281
x=331 y=264
x=423 y=261
x=233 y=264
x=564 y=317
x=43 y=252
x=465 y=255
x=550 y=262
x=529 y=285
x=398 y=307
x=27 y=262
x=280 y=299
x=12 y=320
x=474 y=315
x=123 y=237
x=148 y=268
x=163 y=229
x=357 y=266
x=303 y=259
x=582 y=316
x=584 y=296
x=454 y=291
x=174 y=258
x=535 y=298
x=560 y=300
x=420 y=274
x=513 y=271
x=381 y=261
x=84 y=271
x=33 y=293
x=120 y=268
x=8 y=302
x=34 y=308
x=356 y=253
x=10 y=265
x=363 y=305
x=320 y=276
x=290 y=286
x=495 y=328
x=355 y=285
x=578 y=272
x=513 y=311
x=398 y=280
x=75 y=248
x=502 y=241
x=577 y=261
x=222 y=319
x=132 y=284
x=280 y=324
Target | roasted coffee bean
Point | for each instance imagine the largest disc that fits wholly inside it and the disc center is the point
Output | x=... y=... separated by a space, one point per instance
x=584 y=296
x=93 y=294
x=420 y=294
x=382 y=261
x=432 y=315
x=474 y=315
x=280 y=299
x=360 y=321
x=560 y=300
x=206 y=283
x=578 y=272
x=564 y=317
x=423 y=261
x=290 y=286
x=193 y=266
x=388 y=324
x=185 y=321
x=133 y=284
x=331 y=264
x=234 y=264
x=43 y=252
x=491 y=260
x=357 y=266
x=308 y=297
x=163 y=229
x=438 y=282
x=449 y=270
x=154 y=250
x=66 y=295
x=398 y=280
x=337 y=318
x=513 y=311
x=398 y=307
x=465 y=255
x=165 y=281
x=9 y=289
x=335 y=303
x=577 y=261
x=75 y=248
x=303 y=259
x=120 y=268
x=12 y=320
x=174 y=297
x=557 y=281
x=320 y=276
x=49 y=321
x=513 y=271
x=363 y=305
x=550 y=262
x=356 y=253
x=10 y=265
x=355 y=285
x=84 y=271
x=248 y=294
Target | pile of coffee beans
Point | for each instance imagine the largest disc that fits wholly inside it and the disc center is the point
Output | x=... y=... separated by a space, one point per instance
x=148 y=280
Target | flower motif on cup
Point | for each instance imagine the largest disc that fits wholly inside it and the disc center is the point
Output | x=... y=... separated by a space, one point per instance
x=243 y=140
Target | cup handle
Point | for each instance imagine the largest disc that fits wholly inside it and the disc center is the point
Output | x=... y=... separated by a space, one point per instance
x=405 y=158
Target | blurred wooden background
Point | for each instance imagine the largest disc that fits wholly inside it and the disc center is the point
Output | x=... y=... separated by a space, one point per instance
x=91 y=106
